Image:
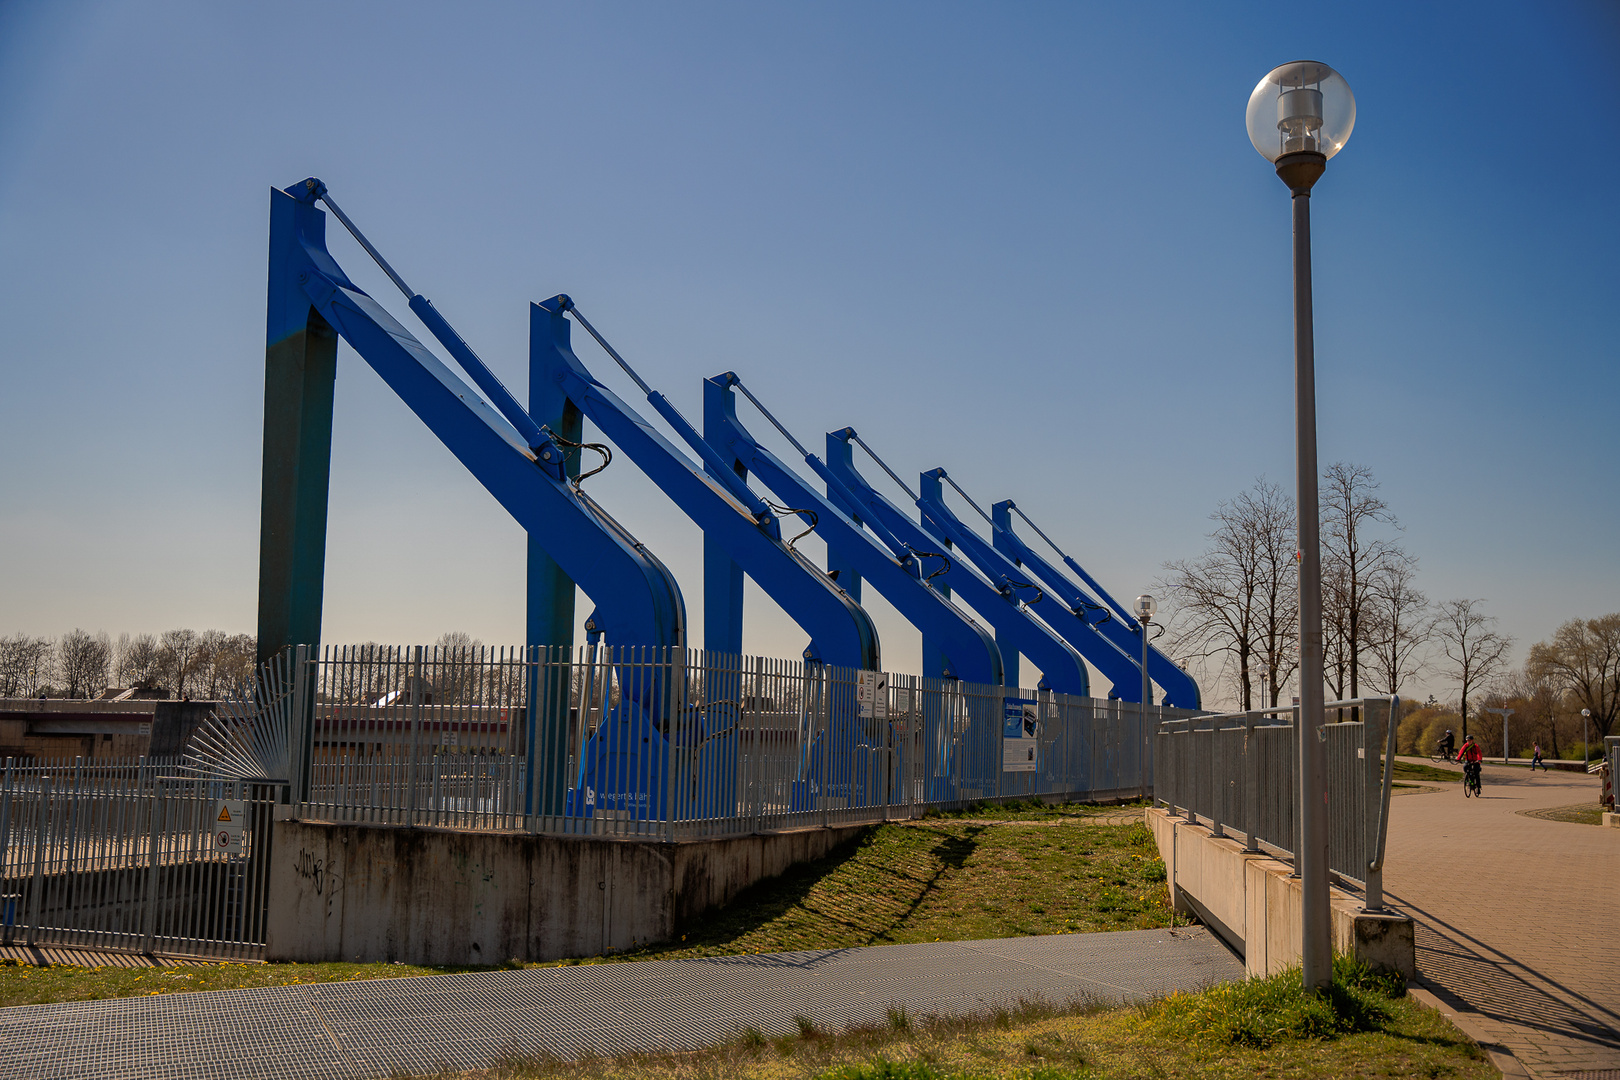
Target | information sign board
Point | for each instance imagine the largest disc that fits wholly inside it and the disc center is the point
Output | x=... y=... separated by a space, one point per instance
x=872 y=694
x=1020 y=721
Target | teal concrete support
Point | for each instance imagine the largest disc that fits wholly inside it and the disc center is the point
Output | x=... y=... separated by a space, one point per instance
x=722 y=577
x=300 y=370
x=841 y=454
x=935 y=665
x=551 y=596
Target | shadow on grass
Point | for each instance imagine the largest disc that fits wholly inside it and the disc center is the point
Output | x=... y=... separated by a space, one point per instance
x=756 y=907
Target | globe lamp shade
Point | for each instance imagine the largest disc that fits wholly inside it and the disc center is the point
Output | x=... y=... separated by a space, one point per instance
x=1304 y=106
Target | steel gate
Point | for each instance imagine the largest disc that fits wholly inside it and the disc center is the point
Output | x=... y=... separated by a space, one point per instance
x=134 y=856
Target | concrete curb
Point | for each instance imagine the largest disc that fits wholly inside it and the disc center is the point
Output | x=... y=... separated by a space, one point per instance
x=1464 y=1019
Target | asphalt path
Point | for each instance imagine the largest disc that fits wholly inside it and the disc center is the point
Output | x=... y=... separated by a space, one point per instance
x=420 y=1025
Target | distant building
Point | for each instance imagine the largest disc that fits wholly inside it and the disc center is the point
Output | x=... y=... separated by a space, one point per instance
x=120 y=724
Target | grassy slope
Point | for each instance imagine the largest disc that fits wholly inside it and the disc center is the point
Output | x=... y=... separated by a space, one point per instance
x=951 y=878
x=948 y=879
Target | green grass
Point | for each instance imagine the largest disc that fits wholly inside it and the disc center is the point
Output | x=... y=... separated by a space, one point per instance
x=1410 y=770
x=24 y=984
x=950 y=877
x=1363 y=1027
x=1579 y=814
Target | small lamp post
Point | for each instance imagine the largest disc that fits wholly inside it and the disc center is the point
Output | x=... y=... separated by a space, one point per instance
x=1146 y=608
x=1299 y=116
x=1586 y=736
x=1504 y=714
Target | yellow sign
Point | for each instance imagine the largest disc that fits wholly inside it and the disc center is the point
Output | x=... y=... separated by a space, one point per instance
x=228 y=822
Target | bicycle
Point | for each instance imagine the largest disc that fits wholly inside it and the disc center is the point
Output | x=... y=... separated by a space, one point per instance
x=1440 y=756
x=1471 y=784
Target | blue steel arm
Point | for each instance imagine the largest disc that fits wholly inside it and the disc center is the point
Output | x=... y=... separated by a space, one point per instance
x=1063 y=669
x=971 y=651
x=1180 y=689
x=841 y=632
x=1059 y=610
x=999 y=512
x=638 y=600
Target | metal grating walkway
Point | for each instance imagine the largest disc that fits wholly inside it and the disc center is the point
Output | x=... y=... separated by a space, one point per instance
x=371 y=1029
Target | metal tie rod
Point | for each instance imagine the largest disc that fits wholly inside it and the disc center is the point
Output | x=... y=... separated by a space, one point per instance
x=786 y=434
x=573 y=309
x=853 y=434
x=902 y=550
x=719 y=470
x=943 y=475
x=326 y=197
x=496 y=390
x=1130 y=620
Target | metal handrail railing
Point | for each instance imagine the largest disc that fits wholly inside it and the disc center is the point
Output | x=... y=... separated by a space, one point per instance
x=1362 y=861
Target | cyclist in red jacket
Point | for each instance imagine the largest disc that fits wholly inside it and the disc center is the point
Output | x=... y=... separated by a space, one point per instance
x=1468 y=753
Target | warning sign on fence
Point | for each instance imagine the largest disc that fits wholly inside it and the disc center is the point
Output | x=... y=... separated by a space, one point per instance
x=872 y=694
x=230 y=818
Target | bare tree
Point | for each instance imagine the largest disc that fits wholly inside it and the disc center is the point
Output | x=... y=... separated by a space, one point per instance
x=233 y=664
x=209 y=646
x=27 y=665
x=83 y=658
x=1535 y=702
x=1351 y=557
x=1476 y=652
x=119 y=662
x=457 y=659
x=1240 y=599
x=179 y=652
x=139 y=663
x=1583 y=660
x=1399 y=624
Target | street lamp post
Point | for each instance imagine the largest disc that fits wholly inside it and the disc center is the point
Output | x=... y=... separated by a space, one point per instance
x=1146 y=608
x=1504 y=714
x=1299 y=116
x=1586 y=736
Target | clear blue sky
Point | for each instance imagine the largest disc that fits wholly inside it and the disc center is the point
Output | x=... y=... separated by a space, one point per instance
x=1030 y=243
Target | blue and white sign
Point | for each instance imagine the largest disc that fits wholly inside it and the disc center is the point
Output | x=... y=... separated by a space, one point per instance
x=1020 y=722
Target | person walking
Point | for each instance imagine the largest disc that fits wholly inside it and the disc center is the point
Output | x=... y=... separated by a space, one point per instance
x=1536 y=759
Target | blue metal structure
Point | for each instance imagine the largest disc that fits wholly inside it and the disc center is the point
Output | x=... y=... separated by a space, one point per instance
x=1180 y=689
x=841 y=632
x=738 y=527
x=1073 y=617
x=518 y=461
x=891 y=564
x=529 y=459
x=1001 y=603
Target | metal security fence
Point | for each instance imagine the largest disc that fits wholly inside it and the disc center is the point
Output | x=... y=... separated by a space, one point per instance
x=136 y=855
x=1236 y=772
x=676 y=744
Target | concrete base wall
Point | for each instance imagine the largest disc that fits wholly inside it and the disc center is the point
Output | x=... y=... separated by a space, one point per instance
x=449 y=896
x=1252 y=903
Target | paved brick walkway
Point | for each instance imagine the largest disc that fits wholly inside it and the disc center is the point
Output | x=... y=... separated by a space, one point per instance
x=1517 y=915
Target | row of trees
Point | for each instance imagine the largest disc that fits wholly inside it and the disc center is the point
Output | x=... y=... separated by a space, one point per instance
x=1577 y=669
x=179 y=663
x=1237 y=605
